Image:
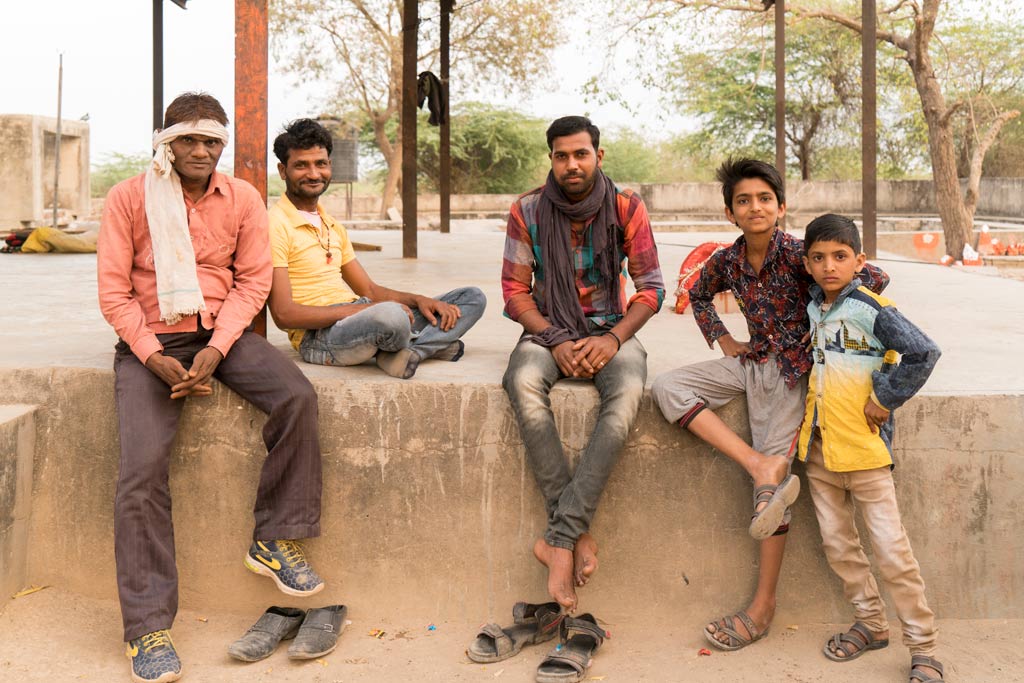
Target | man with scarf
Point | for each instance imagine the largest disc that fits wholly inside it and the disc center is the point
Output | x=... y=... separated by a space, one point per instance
x=562 y=280
x=183 y=265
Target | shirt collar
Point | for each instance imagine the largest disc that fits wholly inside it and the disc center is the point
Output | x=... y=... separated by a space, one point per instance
x=818 y=296
x=298 y=220
x=739 y=253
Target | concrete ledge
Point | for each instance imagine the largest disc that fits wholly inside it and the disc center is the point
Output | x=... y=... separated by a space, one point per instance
x=17 y=446
x=430 y=509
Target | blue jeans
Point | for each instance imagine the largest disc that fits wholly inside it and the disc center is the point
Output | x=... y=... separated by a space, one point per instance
x=385 y=327
x=571 y=500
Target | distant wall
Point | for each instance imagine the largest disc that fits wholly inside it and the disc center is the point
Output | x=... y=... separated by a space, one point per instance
x=27 y=159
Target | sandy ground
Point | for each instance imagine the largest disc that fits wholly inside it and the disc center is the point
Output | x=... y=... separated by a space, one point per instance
x=55 y=636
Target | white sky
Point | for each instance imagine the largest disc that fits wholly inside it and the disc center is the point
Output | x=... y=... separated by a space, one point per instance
x=108 y=68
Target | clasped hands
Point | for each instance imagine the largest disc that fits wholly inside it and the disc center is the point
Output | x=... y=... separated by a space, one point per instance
x=585 y=357
x=192 y=382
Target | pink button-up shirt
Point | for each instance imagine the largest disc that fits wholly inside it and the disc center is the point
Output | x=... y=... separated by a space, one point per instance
x=228 y=226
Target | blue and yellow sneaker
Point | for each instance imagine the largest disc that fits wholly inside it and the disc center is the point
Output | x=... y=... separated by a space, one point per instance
x=154 y=659
x=285 y=563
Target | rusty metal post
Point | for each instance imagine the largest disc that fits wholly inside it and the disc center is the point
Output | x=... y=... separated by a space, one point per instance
x=158 y=64
x=446 y=132
x=251 y=102
x=869 y=133
x=780 y=88
x=410 y=27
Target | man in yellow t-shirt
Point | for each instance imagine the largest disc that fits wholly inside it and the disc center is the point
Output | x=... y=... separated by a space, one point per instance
x=334 y=313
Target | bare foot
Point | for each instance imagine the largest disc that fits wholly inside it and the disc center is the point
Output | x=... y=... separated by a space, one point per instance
x=559 y=564
x=761 y=616
x=584 y=559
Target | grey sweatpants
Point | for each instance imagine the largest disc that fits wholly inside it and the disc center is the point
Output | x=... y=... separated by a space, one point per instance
x=775 y=411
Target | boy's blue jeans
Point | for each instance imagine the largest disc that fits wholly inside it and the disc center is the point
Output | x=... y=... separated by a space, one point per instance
x=385 y=327
x=571 y=499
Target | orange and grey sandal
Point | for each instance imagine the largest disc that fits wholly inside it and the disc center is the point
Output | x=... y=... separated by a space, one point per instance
x=920 y=676
x=853 y=643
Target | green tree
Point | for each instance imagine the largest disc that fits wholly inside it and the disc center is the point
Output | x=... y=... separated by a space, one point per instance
x=356 y=45
x=911 y=29
x=113 y=168
x=630 y=157
x=493 y=150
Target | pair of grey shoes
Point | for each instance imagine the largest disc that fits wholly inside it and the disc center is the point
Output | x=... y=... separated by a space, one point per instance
x=315 y=632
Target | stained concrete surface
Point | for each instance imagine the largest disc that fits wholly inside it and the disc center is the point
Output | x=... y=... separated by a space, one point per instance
x=50 y=316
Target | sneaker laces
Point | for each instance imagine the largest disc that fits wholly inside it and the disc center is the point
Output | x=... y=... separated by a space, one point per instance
x=156 y=639
x=292 y=553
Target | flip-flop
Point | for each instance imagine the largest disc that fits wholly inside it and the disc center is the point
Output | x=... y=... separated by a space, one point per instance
x=532 y=624
x=922 y=677
x=855 y=642
x=766 y=521
x=569 y=661
x=737 y=641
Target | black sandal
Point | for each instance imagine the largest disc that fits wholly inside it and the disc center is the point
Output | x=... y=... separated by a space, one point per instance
x=569 y=661
x=531 y=624
x=920 y=676
x=853 y=643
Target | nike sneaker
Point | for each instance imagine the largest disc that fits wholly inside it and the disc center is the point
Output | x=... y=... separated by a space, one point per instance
x=154 y=659
x=286 y=564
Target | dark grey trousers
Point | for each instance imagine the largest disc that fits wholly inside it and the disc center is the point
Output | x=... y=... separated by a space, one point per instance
x=288 y=498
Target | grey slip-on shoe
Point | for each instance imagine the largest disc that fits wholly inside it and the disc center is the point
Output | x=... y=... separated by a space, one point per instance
x=319 y=632
x=260 y=641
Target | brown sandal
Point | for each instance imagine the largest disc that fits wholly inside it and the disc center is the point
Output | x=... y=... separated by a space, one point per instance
x=922 y=677
x=737 y=641
x=855 y=642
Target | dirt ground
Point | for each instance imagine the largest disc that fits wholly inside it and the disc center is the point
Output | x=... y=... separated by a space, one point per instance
x=55 y=636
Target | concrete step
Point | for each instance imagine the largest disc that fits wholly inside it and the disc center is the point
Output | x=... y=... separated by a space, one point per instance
x=17 y=451
x=54 y=635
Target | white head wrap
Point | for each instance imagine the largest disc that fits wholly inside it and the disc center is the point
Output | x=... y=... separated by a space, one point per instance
x=174 y=259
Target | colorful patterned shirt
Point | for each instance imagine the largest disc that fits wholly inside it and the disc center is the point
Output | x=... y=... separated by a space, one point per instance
x=522 y=271
x=774 y=301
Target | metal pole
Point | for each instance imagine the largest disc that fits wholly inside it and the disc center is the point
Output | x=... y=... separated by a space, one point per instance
x=780 y=88
x=410 y=26
x=158 y=64
x=251 y=59
x=446 y=133
x=869 y=133
x=56 y=147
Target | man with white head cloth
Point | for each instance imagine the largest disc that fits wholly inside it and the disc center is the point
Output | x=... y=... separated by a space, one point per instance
x=183 y=267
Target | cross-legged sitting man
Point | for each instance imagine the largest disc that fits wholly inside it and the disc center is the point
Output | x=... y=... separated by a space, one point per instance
x=183 y=266
x=562 y=280
x=334 y=313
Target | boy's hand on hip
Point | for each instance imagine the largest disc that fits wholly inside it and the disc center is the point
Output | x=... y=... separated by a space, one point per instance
x=732 y=348
x=876 y=415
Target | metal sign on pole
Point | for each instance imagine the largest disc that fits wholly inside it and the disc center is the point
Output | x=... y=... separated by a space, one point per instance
x=56 y=146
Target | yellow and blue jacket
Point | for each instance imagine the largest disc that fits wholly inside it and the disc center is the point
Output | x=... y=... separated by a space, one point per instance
x=861 y=348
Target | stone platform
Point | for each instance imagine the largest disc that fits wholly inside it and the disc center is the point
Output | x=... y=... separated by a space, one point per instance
x=429 y=508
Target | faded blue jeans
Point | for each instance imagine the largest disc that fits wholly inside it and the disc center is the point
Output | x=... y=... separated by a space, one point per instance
x=385 y=327
x=571 y=499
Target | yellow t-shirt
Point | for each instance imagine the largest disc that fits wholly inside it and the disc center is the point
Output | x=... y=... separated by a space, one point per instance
x=300 y=247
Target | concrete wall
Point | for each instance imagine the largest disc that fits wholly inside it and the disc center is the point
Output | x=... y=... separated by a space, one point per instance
x=17 y=450
x=27 y=149
x=430 y=509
